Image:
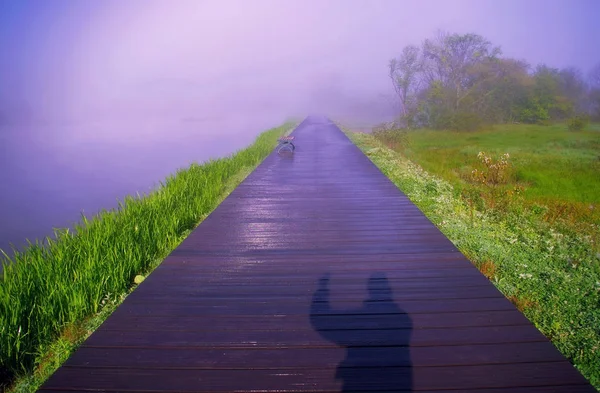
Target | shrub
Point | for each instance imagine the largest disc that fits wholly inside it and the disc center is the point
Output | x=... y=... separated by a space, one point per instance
x=534 y=113
x=578 y=122
x=466 y=121
x=394 y=138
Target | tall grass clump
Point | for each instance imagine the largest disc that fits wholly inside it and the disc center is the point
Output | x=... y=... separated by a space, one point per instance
x=48 y=287
x=396 y=139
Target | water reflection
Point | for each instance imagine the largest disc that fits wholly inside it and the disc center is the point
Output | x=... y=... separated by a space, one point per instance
x=49 y=175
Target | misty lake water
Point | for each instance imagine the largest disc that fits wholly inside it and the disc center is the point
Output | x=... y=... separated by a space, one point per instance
x=50 y=175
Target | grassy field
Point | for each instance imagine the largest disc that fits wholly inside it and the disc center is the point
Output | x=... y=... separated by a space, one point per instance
x=536 y=241
x=55 y=294
x=554 y=165
x=557 y=172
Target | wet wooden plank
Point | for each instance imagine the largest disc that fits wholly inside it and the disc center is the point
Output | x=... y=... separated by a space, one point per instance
x=356 y=379
x=308 y=277
x=442 y=306
x=424 y=278
x=188 y=294
x=275 y=338
x=535 y=389
x=317 y=274
x=122 y=321
x=357 y=262
x=224 y=284
x=315 y=250
x=310 y=358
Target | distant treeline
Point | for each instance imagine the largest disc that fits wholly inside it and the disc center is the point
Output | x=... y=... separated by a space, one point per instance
x=455 y=81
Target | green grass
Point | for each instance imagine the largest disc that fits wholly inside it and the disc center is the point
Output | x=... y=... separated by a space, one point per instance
x=50 y=294
x=557 y=170
x=549 y=271
x=553 y=164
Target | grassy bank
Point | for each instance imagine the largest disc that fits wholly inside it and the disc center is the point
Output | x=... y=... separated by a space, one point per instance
x=552 y=275
x=54 y=294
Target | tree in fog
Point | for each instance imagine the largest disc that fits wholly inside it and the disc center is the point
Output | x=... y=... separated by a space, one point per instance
x=456 y=81
x=449 y=59
x=405 y=75
x=594 y=92
x=574 y=87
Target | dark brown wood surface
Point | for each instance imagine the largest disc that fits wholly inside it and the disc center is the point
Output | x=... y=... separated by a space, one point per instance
x=317 y=274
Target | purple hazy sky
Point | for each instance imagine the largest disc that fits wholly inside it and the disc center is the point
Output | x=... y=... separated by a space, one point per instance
x=141 y=59
x=101 y=99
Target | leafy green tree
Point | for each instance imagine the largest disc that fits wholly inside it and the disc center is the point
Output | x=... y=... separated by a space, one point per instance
x=548 y=95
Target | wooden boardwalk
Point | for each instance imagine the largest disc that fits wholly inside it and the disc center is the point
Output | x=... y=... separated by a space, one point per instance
x=317 y=274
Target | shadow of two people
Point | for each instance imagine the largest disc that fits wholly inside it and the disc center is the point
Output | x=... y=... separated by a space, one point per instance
x=376 y=337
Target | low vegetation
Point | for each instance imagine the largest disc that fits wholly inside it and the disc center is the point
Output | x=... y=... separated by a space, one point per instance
x=578 y=122
x=557 y=170
x=52 y=295
x=521 y=202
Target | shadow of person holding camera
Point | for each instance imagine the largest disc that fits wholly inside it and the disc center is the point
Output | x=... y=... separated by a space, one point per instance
x=376 y=337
